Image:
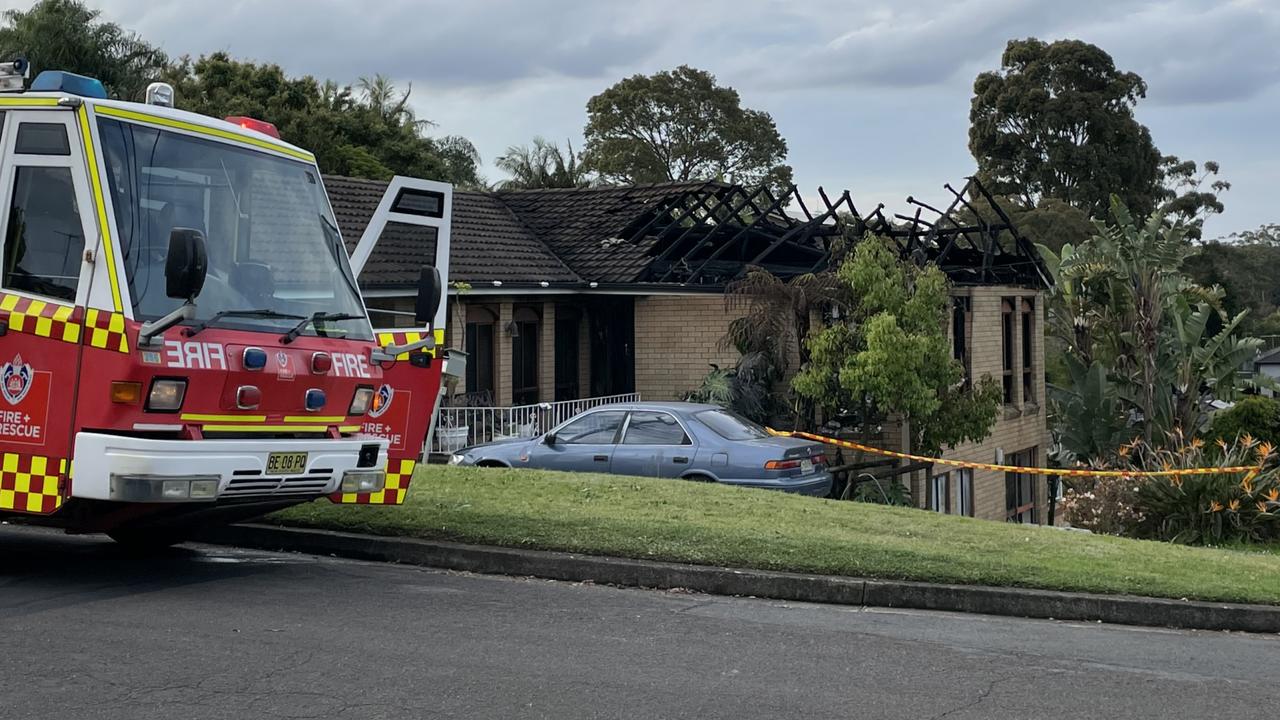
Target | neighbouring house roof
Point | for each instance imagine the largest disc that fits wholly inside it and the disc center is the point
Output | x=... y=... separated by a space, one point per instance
x=487 y=242
x=1271 y=357
x=679 y=235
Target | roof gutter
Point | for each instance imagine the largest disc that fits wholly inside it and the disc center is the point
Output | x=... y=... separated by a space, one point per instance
x=593 y=288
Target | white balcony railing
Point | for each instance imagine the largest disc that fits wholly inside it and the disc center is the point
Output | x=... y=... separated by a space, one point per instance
x=459 y=427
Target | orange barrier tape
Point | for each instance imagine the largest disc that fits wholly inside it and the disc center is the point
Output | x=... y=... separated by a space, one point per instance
x=1065 y=472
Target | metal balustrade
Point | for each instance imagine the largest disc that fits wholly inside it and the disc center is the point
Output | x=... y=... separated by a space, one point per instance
x=459 y=427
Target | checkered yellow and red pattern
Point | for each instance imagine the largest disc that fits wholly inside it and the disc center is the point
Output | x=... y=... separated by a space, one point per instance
x=100 y=328
x=32 y=483
x=105 y=330
x=44 y=319
x=406 y=337
x=399 y=473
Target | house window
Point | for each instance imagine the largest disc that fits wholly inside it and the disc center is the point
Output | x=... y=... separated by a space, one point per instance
x=1006 y=347
x=1019 y=489
x=964 y=492
x=960 y=333
x=1028 y=358
x=524 y=357
x=479 y=348
x=940 y=493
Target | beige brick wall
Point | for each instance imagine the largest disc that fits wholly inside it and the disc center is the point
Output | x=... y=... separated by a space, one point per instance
x=676 y=338
x=547 y=354
x=1020 y=425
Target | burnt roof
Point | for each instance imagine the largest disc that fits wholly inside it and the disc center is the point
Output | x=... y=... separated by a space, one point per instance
x=682 y=234
x=585 y=226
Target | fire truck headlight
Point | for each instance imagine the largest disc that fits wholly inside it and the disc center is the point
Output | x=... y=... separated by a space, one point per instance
x=363 y=481
x=166 y=395
x=361 y=401
x=204 y=489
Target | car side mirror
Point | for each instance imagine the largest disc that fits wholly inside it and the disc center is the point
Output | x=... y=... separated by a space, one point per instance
x=549 y=438
x=430 y=289
x=186 y=265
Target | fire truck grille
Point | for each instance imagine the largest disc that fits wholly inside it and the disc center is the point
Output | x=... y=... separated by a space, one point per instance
x=251 y=483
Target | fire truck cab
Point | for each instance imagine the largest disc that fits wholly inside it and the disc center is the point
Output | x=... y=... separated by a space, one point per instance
x=182 y=338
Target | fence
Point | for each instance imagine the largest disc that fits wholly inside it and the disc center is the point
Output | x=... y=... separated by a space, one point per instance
x=459 y=427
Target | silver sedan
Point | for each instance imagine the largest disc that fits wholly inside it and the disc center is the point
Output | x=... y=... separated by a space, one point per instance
x=673 y=440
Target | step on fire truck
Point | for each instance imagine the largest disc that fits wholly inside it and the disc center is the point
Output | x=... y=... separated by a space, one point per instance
x=182 y=339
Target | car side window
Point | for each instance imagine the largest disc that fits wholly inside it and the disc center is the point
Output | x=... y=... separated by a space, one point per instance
x=654 y=428
x=594 y=429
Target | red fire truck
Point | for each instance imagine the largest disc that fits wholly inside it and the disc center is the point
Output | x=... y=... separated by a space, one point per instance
x=182 y=338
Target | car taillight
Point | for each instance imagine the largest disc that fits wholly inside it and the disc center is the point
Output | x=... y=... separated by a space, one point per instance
x=782 y=465
x=819 y=459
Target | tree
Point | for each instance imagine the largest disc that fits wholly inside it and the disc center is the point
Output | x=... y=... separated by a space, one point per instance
x=68 y=35
x=1057 y=122
x=888 y=353
x=541 y=165
x=775 y=321
x=367 y=131
x=679 y=125
x=1147 y=347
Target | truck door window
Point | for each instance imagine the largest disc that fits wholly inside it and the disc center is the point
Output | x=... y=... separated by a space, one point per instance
x=44 y=240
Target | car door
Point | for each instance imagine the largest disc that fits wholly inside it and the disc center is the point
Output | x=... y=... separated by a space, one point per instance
x=584 y=444
x=46 y=211
x=654 y=444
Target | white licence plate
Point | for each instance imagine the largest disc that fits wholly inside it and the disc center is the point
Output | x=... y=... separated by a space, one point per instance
x=806 y=466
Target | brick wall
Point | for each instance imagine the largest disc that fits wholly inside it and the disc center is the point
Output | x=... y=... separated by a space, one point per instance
x=1020 y=425
x=676 y=338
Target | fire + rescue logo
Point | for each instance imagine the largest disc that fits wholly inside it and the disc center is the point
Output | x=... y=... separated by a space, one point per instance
x=286 y=370
x=15 y=380
x=382 y=400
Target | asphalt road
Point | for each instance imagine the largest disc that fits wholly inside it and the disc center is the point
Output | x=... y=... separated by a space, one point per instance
x=87 y=631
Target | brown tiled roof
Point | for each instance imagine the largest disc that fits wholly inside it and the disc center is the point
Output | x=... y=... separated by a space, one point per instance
x=487 y=242
x=580 y=225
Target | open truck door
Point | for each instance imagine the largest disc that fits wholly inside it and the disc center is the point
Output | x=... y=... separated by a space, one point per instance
x=412 y=339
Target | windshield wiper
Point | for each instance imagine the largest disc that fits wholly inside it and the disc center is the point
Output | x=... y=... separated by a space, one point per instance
x=266 y=313
x=317 y=318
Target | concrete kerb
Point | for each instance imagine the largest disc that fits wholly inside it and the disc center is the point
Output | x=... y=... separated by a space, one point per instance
x=1016 y=602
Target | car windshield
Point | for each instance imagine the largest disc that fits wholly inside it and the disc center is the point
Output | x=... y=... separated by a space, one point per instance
x=731 y=426
x=271 y=239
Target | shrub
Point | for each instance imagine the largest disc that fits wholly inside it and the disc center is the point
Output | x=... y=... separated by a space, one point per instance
x=1210 y=509
x=1257 y=417
x=1104 y=505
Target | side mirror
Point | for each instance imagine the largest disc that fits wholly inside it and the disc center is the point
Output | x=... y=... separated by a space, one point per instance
x=430 y=290
x=549 y=438
x=186 y=265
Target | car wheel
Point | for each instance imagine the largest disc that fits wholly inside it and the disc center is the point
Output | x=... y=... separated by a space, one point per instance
x=490 y=464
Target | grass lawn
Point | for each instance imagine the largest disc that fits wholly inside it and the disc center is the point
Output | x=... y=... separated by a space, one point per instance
x=717 y=525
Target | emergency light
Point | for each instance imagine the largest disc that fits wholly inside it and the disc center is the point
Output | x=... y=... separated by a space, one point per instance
x=249 y=123
x=70 y=83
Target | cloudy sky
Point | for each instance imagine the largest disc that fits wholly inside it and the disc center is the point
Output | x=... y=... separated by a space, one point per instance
x=871 y=95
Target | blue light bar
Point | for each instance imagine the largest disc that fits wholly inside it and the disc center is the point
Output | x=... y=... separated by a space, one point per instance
x=70 y=83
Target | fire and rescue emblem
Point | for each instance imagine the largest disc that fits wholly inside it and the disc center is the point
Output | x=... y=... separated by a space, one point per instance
x=15 y=380
x=286 y=370
x=382 y=400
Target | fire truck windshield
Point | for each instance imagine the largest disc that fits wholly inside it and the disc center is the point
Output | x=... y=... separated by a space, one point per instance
x=271 y=240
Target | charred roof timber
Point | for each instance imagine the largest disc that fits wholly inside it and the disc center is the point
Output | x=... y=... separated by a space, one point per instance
x=709 y=234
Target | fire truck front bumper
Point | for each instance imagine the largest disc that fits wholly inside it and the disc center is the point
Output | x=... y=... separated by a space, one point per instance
x=132 y=469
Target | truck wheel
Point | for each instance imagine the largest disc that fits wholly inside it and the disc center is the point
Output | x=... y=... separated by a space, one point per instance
x=146 y=540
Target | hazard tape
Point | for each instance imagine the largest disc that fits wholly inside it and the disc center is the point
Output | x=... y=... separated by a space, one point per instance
x=1065 y=472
